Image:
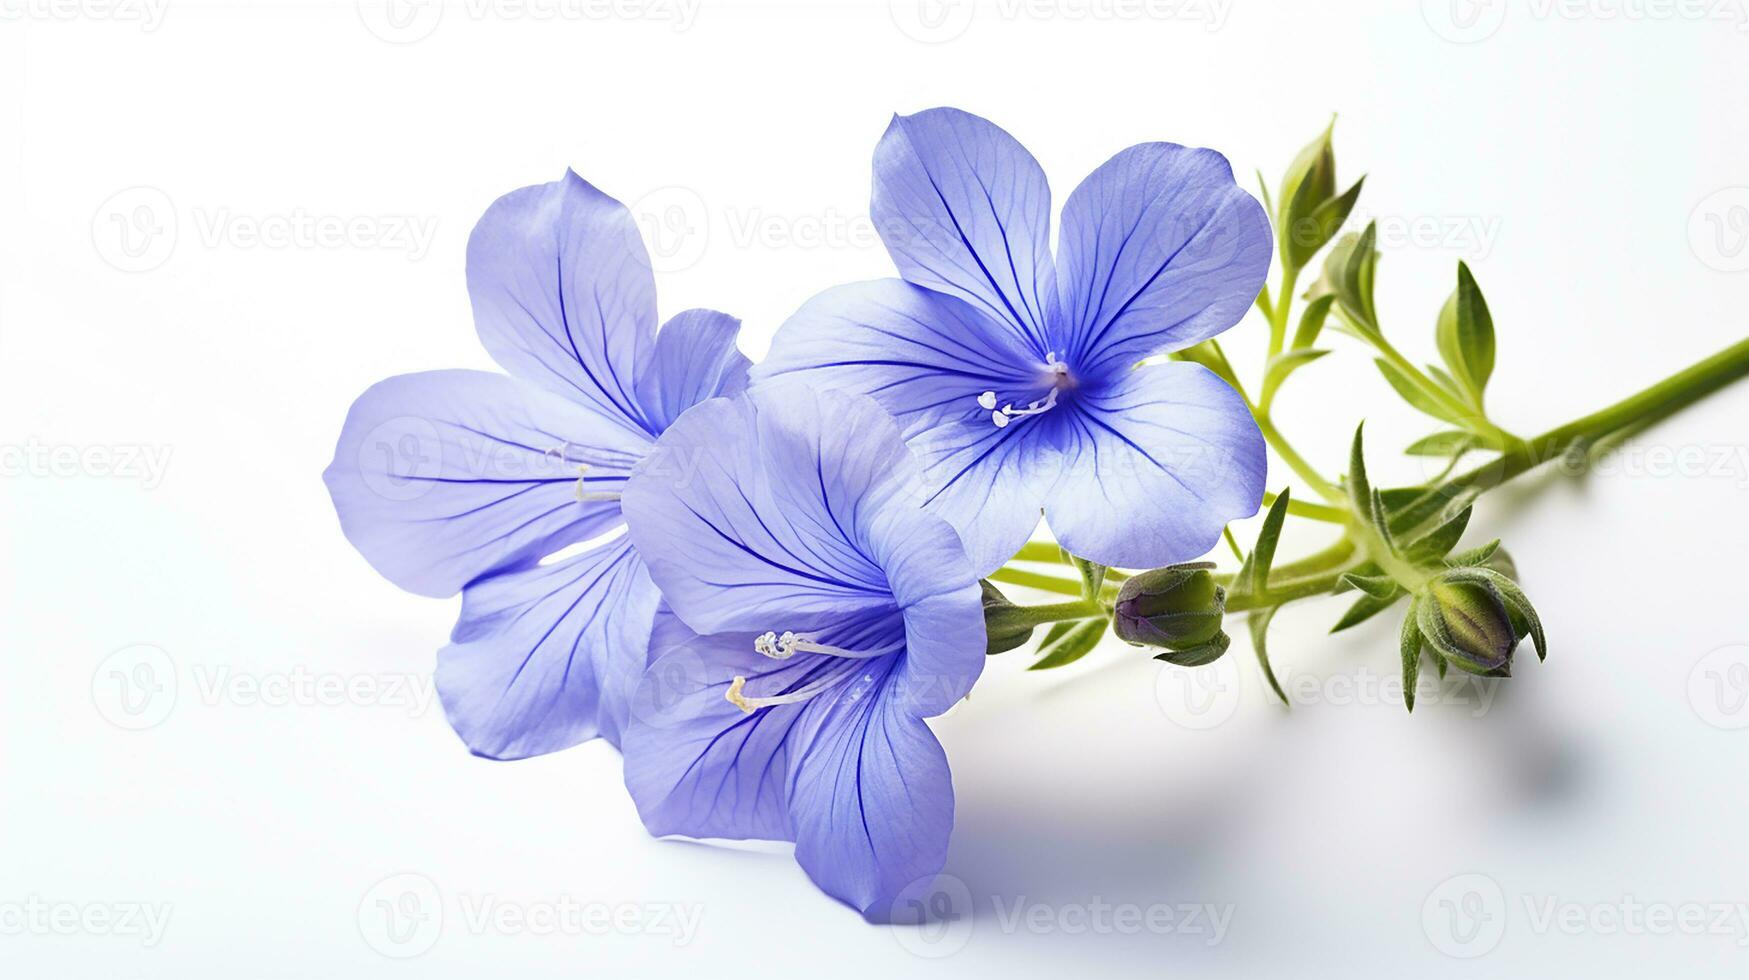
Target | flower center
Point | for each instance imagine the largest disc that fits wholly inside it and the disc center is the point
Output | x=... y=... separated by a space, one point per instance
x=786 y=645
x=1056 y=374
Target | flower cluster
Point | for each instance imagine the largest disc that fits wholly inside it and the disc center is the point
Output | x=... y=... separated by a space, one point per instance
x=797 y=585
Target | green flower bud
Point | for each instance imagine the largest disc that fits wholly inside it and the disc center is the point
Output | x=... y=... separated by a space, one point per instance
x=1465 y=618
x=1309 y=211
x=1179 y=607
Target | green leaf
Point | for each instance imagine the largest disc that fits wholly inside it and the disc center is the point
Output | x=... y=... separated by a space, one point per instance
x=1092 y=577
x=1312 y=321
x=1309 y=233
x=1263 y=186
x=1253 y=576
x=1410 y=645
x=1359 y=490
x=1474 y=556
x=1377 y=586
x=1381 y=520
x=1448 y=443
x=1435 y=543
x=1348 y=276
x=1258 y=622
x=1286 y=363
x=1466 y=336
x=1208 y=653
x=1073 y=644
x=1364 y=608
x=1413 y=393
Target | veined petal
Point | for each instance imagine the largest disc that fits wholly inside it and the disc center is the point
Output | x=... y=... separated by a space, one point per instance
x=1156 y=463
x=927 y=358
x=697 y=765
x=1160 y=249
x=750 y=510
x=966 y=211
x=872 y=800
x=548 y=656
x=695 y=359
x=563 y=293
x=444 y=476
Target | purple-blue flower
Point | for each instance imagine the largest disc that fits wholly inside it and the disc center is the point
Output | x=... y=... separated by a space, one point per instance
x=467 y=480
x=822 y=615
x=1014 y=374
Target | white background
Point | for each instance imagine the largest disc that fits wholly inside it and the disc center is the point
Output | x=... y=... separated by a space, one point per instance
x=1562 y=150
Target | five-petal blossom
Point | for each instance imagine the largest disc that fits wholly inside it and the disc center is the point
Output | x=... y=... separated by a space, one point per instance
x=822 y=615
x=467 y=480
x=1015 y=375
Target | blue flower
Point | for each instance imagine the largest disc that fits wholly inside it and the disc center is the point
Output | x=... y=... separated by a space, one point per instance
x=467 y=480
x=822 y=615
x=1014 y=375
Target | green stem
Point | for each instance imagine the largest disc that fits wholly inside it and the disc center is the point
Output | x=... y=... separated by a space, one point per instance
x=1295 y=461
x=1279 y=313
x=1635 y=411
x=1012 y=618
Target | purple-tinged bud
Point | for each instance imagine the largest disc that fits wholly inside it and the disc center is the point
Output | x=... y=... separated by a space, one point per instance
x=1179 y=607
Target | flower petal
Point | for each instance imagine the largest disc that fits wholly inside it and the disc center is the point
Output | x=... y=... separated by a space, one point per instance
x=697 y=765
x=1155 y=466
x=563 y=292
x=695 y=359
x=1160 y=249
x=548 y=656
x=872 y=803
x=750 y=510
x=966 y=211
x=927 y=358
x=444 y=476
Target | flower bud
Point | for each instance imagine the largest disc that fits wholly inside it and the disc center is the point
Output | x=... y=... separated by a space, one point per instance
x=1000 y=639
x=1178 y=607
x=1309 y=210
x=1465 y=618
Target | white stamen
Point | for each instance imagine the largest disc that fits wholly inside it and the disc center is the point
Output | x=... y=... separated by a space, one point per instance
x=749 y=705
x=1000 y=417
x=789 y=644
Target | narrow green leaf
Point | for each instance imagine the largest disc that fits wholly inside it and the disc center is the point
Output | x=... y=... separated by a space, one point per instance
x=1377 y=586
x=1364 y=608
x=1410 y=645
x=1466 y=336
x=1075 y=643
x=1359 y=490
x=1286 y=363
x=1092 y=577
x=1474 y=556
x=1437 y=542
x=1448 y=443
x=1414 y=394
x=1381 y=520
x=1255 y=574
x=1312 y=321
x=1258 y=622
x=1311 y=233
